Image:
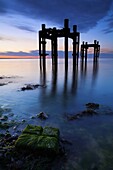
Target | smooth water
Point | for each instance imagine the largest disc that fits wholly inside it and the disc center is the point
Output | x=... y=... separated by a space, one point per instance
x=65 y=93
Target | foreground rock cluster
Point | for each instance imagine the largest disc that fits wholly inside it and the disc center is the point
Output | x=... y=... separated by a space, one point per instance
x=38 y=139
x=35 y=148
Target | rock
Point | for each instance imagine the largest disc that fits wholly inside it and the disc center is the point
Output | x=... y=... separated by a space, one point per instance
x=38 y=139
x=32 y=117
x=3 y=84
x=11 y=114
x=92 y=105
x=7 y=135
x=33 y=129
x=4 y=125
x=29 y=87
x=42 y=115
x=50 y=131
x=73 y=117
x=4 y=118
x=23 y=120
x=88 y=112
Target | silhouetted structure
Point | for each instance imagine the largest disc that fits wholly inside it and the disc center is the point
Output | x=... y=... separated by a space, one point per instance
x=85 y=46
x=52 y=34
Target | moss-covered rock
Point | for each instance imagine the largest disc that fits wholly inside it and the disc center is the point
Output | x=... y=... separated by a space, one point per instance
x=50 y=131
x=33 y=129
x=38 y=139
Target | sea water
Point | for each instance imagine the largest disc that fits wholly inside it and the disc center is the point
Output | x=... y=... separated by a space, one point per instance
x=65 y=93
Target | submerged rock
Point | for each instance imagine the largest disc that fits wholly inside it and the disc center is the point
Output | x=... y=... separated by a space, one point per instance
x=42 y=115
x=92 y=105
x=31 y=87
x=88 y=112
x=3 y=84
x=4 y=118
x=38 y=139
x=4 y=125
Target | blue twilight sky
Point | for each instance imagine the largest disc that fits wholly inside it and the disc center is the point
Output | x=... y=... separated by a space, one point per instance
x=20 y=21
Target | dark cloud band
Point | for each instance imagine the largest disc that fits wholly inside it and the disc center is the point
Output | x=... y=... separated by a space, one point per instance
x=84 y=13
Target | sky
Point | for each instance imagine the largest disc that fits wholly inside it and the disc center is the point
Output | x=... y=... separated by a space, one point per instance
x=20 y=21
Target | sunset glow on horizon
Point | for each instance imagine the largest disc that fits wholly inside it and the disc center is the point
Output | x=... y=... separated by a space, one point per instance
x=20 y=26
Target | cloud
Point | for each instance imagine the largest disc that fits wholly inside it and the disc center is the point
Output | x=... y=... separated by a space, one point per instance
x=35 y=53
x=2 y=7
x=1 y=38
x=26 y=28
x=108 y=30
x=5 y=38
x=20 y=53
x=84 y=13
x=109 y=23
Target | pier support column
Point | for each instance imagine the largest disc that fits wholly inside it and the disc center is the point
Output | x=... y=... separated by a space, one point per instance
x=95 y=50
x=43 y=47
x=54 y=48
x=82 y=51
x=78 y=38
x=86 y=52
x=66 y=33
x=74 y=46
x=40 y=48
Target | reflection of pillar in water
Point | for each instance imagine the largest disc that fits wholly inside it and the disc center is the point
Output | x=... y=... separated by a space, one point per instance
x=74 y=80
x=42 y=76
x=95 y=71
x=74 y=46
x=54 y=80
x=65 y=81
x=83 y=68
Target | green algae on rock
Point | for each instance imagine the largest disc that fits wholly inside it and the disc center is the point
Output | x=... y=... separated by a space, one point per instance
x=50 y=131
x=38 y=139
x=33 y=129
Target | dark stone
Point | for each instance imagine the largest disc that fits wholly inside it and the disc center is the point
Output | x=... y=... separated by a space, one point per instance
x=31 y=87
x=32 y=117
x=42 y=115
x=23 y=120
x=92 y=105
x=3 y=84
x=4 y=125
x=4 y=118
x=88 y=112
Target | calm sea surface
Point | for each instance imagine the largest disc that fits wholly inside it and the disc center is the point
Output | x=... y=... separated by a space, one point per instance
x=91 y=137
